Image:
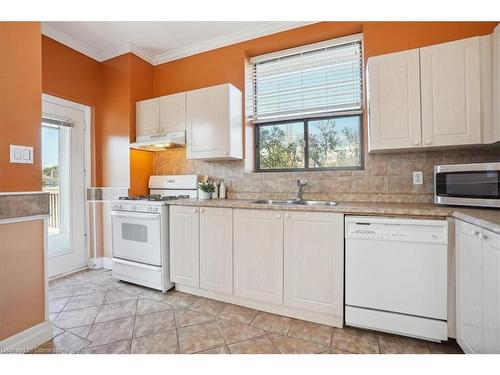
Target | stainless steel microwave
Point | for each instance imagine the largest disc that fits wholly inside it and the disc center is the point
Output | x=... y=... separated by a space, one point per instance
x=467 y=184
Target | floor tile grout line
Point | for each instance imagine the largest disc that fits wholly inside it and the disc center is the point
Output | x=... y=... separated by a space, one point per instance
x=133 y=324
x=221 y=333
x=93 y=323
x=251 y=321
x=272 y=342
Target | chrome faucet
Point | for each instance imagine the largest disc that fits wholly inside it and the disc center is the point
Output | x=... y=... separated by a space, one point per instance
x=301 y=184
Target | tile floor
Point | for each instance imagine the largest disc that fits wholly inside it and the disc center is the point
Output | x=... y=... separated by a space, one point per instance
x=94 y=313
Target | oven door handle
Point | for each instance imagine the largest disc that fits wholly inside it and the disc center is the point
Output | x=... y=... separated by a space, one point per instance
x=135 y=215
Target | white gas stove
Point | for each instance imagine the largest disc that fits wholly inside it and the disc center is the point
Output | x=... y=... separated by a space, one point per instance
x=140 y=231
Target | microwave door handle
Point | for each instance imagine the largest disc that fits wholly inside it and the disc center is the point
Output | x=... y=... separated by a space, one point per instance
x=135 y=215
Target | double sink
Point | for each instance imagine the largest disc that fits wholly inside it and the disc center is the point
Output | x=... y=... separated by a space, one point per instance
x=298 y=201
x=302 y=202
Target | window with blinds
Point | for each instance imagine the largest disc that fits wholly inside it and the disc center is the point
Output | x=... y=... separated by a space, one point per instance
x=307 y=107
x=310 y=81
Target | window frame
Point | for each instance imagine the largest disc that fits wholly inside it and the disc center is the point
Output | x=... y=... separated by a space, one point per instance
x=306 y=120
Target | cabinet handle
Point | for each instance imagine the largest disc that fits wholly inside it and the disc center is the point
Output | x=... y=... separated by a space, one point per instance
x=202 y=210
x=288 y=216
x=484 y=236
x=475 y=233
x=416 y=143
x=278 y=216
x=427 y=142
x=195 y=210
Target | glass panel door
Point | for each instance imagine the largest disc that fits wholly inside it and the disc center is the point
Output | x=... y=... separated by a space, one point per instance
x=56 y=181
x=63 y=173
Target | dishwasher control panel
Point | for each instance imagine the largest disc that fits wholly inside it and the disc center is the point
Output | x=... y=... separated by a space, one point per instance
x=395 y=229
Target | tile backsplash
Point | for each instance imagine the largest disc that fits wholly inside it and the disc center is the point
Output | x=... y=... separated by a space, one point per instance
x=386 y=177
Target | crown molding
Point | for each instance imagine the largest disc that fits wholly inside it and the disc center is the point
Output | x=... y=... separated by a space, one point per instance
x=71 y=42
x=227 y=40
x=176 y=54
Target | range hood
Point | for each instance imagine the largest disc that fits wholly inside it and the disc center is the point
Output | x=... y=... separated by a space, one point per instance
x=161 y=142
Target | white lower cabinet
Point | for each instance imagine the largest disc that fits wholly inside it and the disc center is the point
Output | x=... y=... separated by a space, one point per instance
x=314 y=261
x=283 y=262
x=258 y=255
x=216 y=249
x=478 y=289
x=491 y=291
x=184 y=245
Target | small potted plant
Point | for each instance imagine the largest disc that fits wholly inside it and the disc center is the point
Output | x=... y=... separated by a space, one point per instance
x=205 y=190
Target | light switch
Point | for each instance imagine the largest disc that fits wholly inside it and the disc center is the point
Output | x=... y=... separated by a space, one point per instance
x=21 y=154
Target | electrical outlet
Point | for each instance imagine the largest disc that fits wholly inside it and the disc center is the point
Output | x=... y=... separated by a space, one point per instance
x=418 y=178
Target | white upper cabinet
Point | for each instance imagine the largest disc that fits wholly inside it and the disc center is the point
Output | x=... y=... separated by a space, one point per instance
x=451 y=93
x=184 y=245
x=172 y=113
x=147 y=118
x=216 y=249
x=394 y=100
x=314 y=261
x=495 y=40
x=258 y=255
x=437 y=96
x=214 y=123
x=159 y=116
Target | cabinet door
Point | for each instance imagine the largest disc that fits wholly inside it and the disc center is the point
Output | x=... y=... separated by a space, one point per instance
x=172 y=113
x=258 y=255
x=469 y=268
x=491 y=291
x=216 y=249
x=451 y=104
x=147 y=118
x=314 y=261
x=394 y=101
x=208 y=123
x=184 y=246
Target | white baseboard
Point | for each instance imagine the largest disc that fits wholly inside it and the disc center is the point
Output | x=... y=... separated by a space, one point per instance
x=28 y=339
x=292 y=312
x=101 y=262
x=94 y=263
x=107 y=263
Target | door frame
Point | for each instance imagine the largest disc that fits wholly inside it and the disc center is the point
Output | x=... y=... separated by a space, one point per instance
x=87 y=110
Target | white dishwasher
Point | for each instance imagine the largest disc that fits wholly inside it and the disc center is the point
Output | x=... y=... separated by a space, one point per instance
x=396 y=275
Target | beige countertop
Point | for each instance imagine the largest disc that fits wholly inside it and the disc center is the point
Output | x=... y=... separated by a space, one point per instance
x=485 y=218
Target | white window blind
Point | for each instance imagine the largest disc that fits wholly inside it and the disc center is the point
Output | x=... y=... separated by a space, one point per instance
x=314 y=80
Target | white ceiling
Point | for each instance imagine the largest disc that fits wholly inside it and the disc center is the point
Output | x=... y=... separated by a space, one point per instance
x=158 y=41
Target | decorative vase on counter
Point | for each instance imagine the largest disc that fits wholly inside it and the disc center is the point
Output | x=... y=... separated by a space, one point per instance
x=204 y=195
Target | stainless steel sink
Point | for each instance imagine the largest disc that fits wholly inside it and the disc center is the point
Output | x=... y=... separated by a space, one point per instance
x=275 y=201
x=316 y=203
x=295 y=202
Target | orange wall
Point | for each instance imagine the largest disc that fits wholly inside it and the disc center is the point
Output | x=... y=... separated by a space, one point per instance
x=20 y=106
x=22 y=298
x=227 y=64
x=115 y=124
x=71 y=75
x=125 y=80
x=141 y=87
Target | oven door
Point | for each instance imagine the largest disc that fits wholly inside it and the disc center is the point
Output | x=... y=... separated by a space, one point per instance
x=137 y=236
